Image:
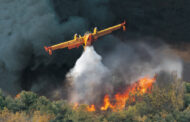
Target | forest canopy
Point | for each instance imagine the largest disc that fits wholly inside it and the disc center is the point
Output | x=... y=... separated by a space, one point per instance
x=165 y=103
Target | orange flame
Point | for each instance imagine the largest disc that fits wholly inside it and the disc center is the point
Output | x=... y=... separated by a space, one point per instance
x=107 y=103
x=144 y=85
x=75 y=105
x=91 y=108
x=17 y=96
x=141 y=87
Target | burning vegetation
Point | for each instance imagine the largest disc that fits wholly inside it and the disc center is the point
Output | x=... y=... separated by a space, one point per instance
x=118 y=102
x=141 y=87
x=148 y=102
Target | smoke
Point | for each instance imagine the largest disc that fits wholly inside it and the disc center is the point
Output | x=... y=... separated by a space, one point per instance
x=136 y=59
x=26 y=27
x=93 y=77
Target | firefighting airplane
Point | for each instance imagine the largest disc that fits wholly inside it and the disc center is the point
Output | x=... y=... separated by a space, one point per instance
x=85 y=40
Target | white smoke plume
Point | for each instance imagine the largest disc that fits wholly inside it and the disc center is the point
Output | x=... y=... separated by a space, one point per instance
x=92 y=77
x=134 y=60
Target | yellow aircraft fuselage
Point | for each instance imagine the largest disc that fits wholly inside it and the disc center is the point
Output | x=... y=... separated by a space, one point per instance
x=85 y=40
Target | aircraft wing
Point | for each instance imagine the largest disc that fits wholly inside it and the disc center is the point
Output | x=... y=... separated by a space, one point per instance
x=68 y=44
x=109 y=30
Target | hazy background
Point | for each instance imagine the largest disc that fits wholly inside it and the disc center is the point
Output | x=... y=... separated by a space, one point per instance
x=27 y=26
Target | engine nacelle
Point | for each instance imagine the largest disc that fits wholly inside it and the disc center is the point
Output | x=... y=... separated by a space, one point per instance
x=95 y=30
x=75 y=36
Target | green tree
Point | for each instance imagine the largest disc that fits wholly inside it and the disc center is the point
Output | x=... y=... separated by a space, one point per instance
x=2 y=100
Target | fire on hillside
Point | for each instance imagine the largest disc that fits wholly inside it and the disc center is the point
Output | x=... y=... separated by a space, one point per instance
x=119 y=100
